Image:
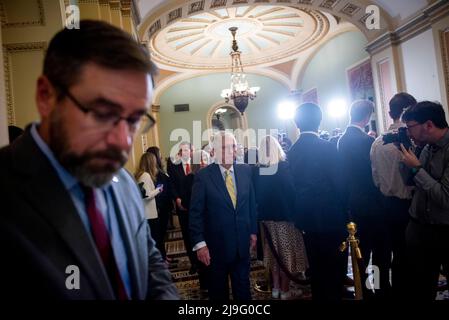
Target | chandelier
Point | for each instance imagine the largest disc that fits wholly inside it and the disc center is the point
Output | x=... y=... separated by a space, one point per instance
x=240 y=92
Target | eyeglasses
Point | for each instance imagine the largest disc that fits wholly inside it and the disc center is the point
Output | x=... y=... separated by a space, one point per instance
x=413 y=125
x=109 y=120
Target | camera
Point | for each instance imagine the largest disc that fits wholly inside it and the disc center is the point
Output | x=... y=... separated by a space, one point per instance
x=397 y=138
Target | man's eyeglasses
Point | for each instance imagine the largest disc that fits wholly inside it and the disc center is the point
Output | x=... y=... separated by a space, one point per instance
x=413 y=125
x=108 y=119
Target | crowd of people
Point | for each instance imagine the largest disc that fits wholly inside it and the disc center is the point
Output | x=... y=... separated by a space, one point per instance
x=304 y=196
x=76 y=225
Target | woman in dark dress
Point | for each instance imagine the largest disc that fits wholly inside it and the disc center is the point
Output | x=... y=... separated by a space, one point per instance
x=284 y=252
x=164 y=202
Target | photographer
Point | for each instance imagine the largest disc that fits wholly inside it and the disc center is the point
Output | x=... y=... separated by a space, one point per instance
x=427 y=235
x=388 y=170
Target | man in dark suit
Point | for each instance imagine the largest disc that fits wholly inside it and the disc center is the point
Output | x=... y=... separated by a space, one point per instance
x=315 y=167
x=223 y=222
x=362 y=198
x=178 y=172
x=72 y=224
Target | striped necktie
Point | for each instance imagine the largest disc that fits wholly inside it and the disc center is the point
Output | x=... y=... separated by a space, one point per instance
x=230 y=187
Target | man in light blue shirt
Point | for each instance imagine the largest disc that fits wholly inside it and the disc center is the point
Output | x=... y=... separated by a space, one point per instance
x=73 y=224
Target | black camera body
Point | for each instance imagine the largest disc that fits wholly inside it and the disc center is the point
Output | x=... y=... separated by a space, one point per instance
x=397 y=138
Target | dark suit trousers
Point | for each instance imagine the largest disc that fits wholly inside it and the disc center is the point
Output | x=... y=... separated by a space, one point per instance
x=183 y=217
x=398 y=218
x=164 y=216
x=218 y=280
x=328 y=266
x=202 y=270
x=375 y=240
x=155 y=229
x=427 y=249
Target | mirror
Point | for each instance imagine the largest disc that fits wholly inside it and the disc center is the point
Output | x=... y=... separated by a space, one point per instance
x=226 y=117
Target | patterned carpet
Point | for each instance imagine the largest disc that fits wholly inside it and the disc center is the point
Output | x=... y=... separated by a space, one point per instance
x=188 y=285
x=189 y=288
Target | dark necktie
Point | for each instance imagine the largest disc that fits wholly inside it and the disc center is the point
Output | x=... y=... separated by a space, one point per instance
x=103 y=242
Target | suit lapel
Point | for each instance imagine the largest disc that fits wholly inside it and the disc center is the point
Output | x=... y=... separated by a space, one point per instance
x=48 y=196
x=239 y=186
x=217 y=178
x=180 y=169
x=123 y=218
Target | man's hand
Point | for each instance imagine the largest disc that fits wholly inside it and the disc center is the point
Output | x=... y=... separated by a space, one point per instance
x=179 y=204
x=253 y=242
x=409 y=158
x=203 y=255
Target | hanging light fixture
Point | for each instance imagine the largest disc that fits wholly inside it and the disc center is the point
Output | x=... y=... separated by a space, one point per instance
x=240 y=92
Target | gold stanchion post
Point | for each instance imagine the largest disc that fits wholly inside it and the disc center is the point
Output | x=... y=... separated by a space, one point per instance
x=356 y=257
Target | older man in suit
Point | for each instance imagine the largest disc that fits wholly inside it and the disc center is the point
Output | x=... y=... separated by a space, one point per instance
x=72 y=225
x=315 y=168
x=223 y=223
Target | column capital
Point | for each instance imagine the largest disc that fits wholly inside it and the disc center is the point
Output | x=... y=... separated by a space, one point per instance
x=155 y=108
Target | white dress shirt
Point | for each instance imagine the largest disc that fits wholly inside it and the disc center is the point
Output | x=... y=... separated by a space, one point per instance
x=387 y=167
x=356 y=126
x=309 y=132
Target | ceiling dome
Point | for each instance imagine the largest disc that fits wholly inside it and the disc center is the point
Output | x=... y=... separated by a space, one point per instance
x=265 y=35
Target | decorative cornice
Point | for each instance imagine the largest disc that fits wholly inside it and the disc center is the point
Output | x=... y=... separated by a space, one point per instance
x=350 y=9
x=329 y=4
x=9 y=49
x=126 y=4
x=445 y=56
x=24 y=47
x=135 y=13
x=32 y=23
x=217 y=4
x=196 y=6
x=384 y=41
x=88 y=1
x=125 y=8
x=412 y=28
x=8 y=89
x=155 y=108
x=126 y=13
x=115 y=5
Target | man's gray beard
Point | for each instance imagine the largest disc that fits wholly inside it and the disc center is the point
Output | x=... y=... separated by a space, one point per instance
x=76 y=164
x=89 y=179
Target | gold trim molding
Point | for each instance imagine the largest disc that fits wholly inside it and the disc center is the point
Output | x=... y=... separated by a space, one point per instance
x=421 y=23
x=8 y=50
x=31 y=23
x=88 y=1
x=444 y=41
x=155 y=108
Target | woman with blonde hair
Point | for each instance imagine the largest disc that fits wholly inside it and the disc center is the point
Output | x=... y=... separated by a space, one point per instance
x=146 y=176
x=284 y=251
